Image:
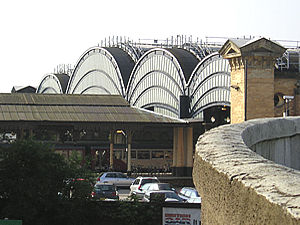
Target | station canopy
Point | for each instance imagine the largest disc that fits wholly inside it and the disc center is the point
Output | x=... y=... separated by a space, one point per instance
x=31 y=107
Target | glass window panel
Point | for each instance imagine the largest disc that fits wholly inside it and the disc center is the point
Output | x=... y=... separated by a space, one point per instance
x=168 y=155
x=157 y=154
x=133 y=154
x=143 y=154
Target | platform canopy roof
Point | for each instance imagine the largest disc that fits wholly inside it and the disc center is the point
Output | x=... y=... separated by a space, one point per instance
x=31 y=107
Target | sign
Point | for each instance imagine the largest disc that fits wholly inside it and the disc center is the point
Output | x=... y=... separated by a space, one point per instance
x=181 y=216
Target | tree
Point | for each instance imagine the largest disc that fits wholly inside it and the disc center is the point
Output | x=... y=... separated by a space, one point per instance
x=31 y=176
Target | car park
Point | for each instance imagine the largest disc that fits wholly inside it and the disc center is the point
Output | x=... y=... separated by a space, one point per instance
x=190 y=194
x=105 y=191
x=117 y=178
x=169 y=196
x=137 y=184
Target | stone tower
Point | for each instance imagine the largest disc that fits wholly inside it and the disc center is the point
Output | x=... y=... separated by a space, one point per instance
x=252 y=77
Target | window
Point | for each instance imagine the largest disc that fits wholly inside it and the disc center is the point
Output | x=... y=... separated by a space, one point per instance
x=118 y=154
x=143 y=154
x=168 y=155
x=133 y=154
x=193 y=195
x=110 y=175
x=157 y=154
x=136 y=182
x=105 y=187
x=120 y=175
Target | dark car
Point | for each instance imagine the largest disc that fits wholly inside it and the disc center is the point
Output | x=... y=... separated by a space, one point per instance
x=104 y=191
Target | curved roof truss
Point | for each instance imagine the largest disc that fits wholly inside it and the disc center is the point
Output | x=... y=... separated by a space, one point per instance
x=209 y=84
x=97 y=66
x=50 y=84
x=157 y=78
x=147 y=56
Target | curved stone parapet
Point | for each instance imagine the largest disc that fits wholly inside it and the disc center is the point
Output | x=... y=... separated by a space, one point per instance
x=239 y=186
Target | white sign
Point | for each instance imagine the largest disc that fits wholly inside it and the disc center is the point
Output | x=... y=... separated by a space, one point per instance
x=181 y=216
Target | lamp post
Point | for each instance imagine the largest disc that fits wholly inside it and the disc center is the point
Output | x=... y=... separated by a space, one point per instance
x=287 y=99
x=128 y=148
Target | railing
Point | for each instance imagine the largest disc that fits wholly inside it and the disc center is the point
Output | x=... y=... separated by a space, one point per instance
x=200 y=48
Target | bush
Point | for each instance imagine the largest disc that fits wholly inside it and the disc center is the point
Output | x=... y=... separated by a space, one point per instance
x=31 y=176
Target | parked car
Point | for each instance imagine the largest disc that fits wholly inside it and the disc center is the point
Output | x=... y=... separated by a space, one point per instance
x=103 y=191
x=117 y=178
x=137 y=184
x=169 y=196
x=190 y=195
x=160 y=186
x=139 y=193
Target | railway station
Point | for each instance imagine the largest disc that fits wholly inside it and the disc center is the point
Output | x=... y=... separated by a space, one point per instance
x=143 y=105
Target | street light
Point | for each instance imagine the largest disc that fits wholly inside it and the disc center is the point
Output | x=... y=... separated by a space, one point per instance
x=127 y=150
x=287 y=99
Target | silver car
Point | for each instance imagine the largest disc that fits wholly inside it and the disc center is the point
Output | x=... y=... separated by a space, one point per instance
x=117 y=178
x=190 y=195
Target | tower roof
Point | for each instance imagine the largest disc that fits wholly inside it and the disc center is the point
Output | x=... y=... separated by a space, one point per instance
x=251 y=47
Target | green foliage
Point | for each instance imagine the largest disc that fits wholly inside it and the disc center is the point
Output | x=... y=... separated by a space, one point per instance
x=31 y=176
x=135 y=213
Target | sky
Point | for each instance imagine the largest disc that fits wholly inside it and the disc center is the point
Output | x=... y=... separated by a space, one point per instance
x=36 y=35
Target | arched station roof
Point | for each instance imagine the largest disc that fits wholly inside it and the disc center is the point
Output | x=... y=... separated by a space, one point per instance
x=186 y=59
x=155 y=82
x=209 y=84
x=53 y=84
x=159 y=79
x=101 y=71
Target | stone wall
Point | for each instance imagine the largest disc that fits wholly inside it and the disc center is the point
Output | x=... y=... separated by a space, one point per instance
x=237 y=185
x=277 y=140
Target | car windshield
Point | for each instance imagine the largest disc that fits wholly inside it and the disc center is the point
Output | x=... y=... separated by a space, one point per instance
x=111 y=175
x=145 y=186
x=164 y=187
x=172 y=195
x=194 y=194
x=105 y=187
